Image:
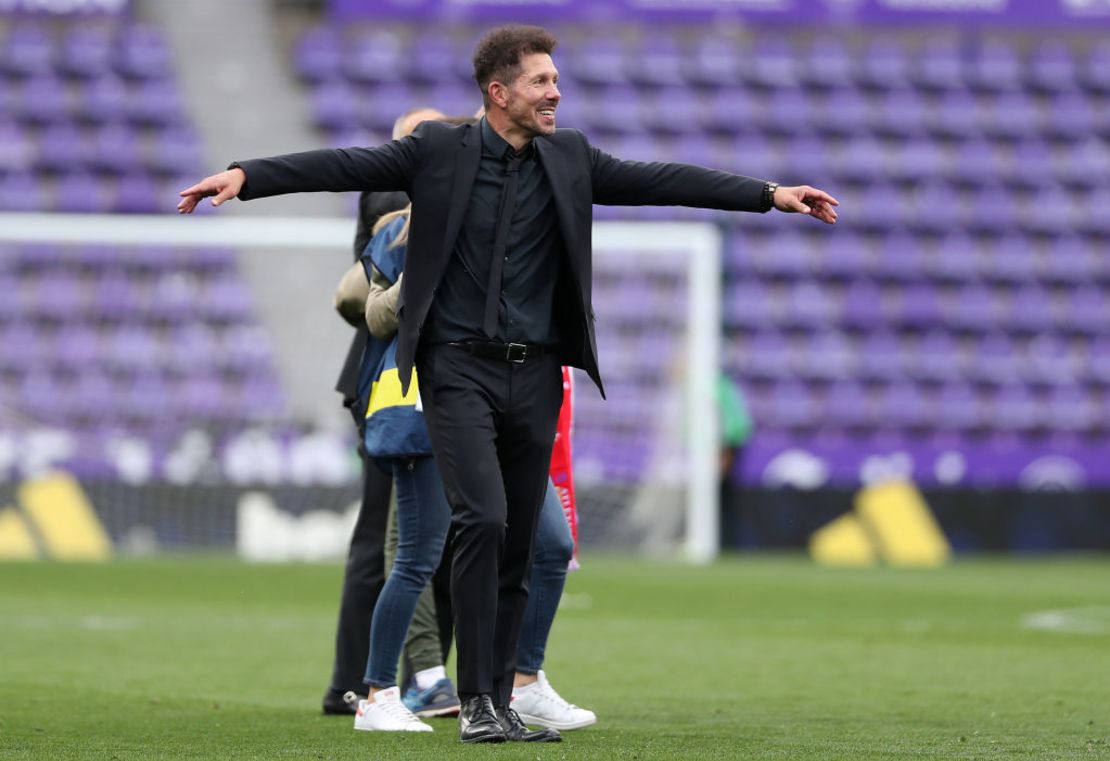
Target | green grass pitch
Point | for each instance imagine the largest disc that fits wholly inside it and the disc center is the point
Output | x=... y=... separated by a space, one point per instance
x=750 y=658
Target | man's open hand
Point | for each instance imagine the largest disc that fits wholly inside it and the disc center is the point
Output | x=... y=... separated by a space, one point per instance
x=223 y=186
x=802 y=199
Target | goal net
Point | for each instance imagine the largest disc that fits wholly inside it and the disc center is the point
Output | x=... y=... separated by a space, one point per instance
x=166 y=384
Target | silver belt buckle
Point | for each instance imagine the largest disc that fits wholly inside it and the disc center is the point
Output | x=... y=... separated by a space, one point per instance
x=523 y=353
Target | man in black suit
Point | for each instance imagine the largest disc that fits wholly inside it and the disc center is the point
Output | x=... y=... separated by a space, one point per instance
x=496 y=296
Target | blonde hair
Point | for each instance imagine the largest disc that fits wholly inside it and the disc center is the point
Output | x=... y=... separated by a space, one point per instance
x=403 y=236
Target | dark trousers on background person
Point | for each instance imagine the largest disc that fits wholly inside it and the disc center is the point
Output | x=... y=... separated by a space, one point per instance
x=492 y=426
x=363 y=579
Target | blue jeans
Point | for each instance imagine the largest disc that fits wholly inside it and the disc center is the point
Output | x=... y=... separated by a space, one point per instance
x=423 y=517
x=553 y=550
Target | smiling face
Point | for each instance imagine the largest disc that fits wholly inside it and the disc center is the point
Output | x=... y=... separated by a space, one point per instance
x=528 y=102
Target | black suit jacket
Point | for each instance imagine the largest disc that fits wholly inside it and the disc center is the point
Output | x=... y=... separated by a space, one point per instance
x=437 y=164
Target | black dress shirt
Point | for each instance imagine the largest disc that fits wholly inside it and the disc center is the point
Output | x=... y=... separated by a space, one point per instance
x=532 y=261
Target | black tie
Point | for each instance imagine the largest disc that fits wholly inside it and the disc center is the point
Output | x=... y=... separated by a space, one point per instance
x=500 y=241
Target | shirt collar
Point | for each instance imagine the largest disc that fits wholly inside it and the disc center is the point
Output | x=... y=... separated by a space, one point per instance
x=498 y=146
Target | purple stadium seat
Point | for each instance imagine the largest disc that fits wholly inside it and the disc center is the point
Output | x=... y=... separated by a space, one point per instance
x=939 y=65
x=1015 y=408
x=1051 y=67
x=80 y=191
x=976 y=160
x=1069 y=259
x=919 y=308
x=657 y=61
x=43 y=99
x=992 y=209
x=955 y=114
x=936 y=207
x=1050 y=359
x=959 y=408
x=748 y=304
x=1095 y=69
x=827 y=62
x=862 y=305
x=955 y=258
x=623 y=113
x=792 y=111
x=884 y=357
x=768 y=356
x=917 y=157
x=975 y=307
x=137 y=193
x=115 y=148
x=63 y=147
x=1052 y=210
x=141 y=53
x=86 y=51
x=843 y=256
x=17 y=150
x=103 y=98
x=828 y=355
x=78 y=346
x=318 y=54
x=771 y=62
x=728 y=108
x=132 y=347
x=599 y=60
x=1031 y=308
x=899 y=112
x=843 y=111
x=1012 y=259
x=884 y=64
x=1083 y=162
x=994 y=67
x=861 y=158
x=937 y=357
x=1071 y=409
x=672 y=111
x=226 y=300
x=435 y=54
x=1010 y=115
x=1098 y=361
x=335 y=106
x=715 y=61
x=996 y=360
x=376 y=56
x=191 y=345
x=1087 y=309
x=21 y=191
x=155 y=102
x=809 y=305
x=846 y=405
x=902 y=405
x=791 y=405
x=28 y=50
x=1070 y=115
x=1031 y=161
x=176 y=150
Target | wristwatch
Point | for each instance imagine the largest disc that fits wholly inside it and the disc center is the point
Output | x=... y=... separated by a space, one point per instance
x=768 y=197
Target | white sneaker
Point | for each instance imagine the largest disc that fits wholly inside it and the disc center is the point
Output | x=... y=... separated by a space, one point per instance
x=538 y=703
x=386 y=713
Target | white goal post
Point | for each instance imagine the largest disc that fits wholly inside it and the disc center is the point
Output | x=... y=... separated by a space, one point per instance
x=698 y=244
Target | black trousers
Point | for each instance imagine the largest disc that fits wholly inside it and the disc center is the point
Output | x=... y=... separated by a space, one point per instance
x=492 y=425
x=363 y=579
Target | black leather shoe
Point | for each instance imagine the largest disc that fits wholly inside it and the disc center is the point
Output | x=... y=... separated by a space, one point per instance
x=478 y=721
x=515 y=731
x=341 y=703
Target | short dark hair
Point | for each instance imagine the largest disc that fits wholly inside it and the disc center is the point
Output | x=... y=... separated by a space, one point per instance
x=499 y=52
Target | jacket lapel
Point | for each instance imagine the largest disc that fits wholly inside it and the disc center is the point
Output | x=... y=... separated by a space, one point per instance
x=466 y=169
x=555 y=167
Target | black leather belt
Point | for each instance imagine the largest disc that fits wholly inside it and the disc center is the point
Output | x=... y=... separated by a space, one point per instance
x=508 y=352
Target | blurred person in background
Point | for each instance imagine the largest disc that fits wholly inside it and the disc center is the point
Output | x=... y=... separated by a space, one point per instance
x=364 y=573
x=499 y=299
